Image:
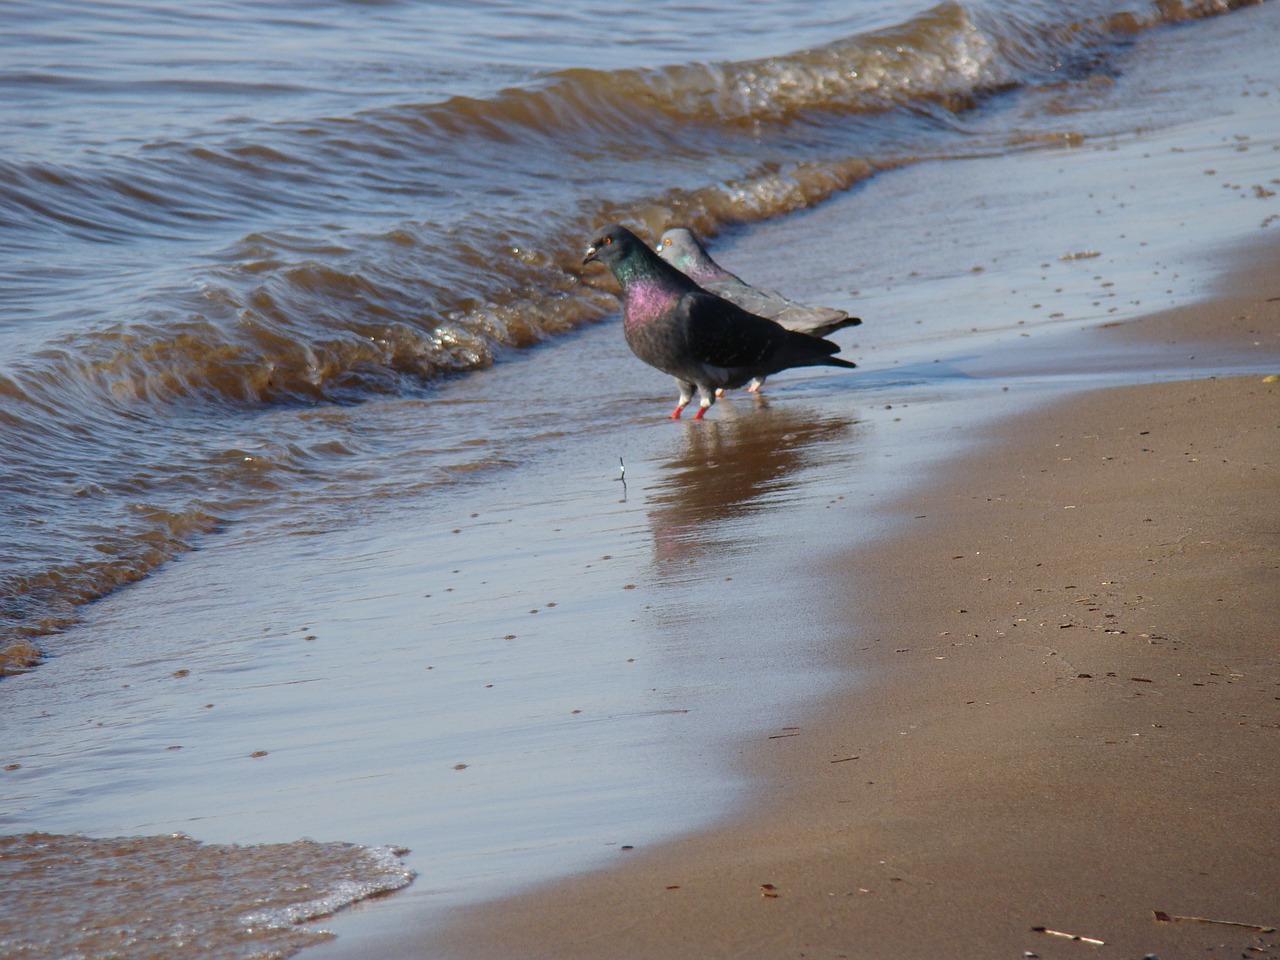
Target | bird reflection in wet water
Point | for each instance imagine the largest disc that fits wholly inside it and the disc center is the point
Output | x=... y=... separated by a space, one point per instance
x=729 y=469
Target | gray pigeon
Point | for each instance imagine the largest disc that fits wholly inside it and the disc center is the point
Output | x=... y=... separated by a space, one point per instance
x=704 y=341
x=683 y=250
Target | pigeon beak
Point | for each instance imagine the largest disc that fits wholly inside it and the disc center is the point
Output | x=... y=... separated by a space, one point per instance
x=591 y=255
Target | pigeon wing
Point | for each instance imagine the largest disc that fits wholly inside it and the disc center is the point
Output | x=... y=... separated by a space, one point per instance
x=721 y=334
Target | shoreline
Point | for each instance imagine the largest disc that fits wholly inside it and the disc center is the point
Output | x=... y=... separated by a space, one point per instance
x=1071 y=727
x=662 y=721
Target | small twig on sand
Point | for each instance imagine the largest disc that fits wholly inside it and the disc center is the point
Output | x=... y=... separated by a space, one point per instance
x=1068 y=936
x=1173 y=917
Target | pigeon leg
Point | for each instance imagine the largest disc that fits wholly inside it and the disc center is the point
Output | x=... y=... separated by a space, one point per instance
x=706 y=397
x=686 y=394
x=755 y=385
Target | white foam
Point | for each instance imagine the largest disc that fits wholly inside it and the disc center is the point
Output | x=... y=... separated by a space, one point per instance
x=388 y=873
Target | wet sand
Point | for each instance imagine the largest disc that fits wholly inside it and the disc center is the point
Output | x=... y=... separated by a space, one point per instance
x=1068 y=720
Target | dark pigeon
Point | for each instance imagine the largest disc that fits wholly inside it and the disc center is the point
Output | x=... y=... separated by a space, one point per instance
x=683 y=250
x=704 y=341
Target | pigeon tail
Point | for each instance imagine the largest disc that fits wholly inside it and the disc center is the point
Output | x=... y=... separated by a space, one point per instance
x=836 y=362
x=812 y=321
x=805 y=351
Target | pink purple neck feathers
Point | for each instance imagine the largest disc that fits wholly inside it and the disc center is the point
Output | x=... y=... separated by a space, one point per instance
x=645 y=300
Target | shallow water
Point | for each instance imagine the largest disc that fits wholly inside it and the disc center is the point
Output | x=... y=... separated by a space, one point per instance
x=344 y=349
x=151 y=898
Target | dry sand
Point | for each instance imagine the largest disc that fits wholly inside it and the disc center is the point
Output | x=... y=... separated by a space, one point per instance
x=1072 y=717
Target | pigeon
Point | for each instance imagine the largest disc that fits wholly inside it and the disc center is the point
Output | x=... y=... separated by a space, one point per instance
x=701 y=339
x=683 y=250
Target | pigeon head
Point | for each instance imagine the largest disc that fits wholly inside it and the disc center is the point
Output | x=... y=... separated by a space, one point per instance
x=637 y=268
x=683 y=250
x=614 y=245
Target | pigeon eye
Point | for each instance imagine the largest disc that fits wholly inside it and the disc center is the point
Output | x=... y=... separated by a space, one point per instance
x=666 y=242
x=608 y=240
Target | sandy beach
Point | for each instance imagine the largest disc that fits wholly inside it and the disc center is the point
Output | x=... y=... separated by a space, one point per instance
x=1071 y=720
